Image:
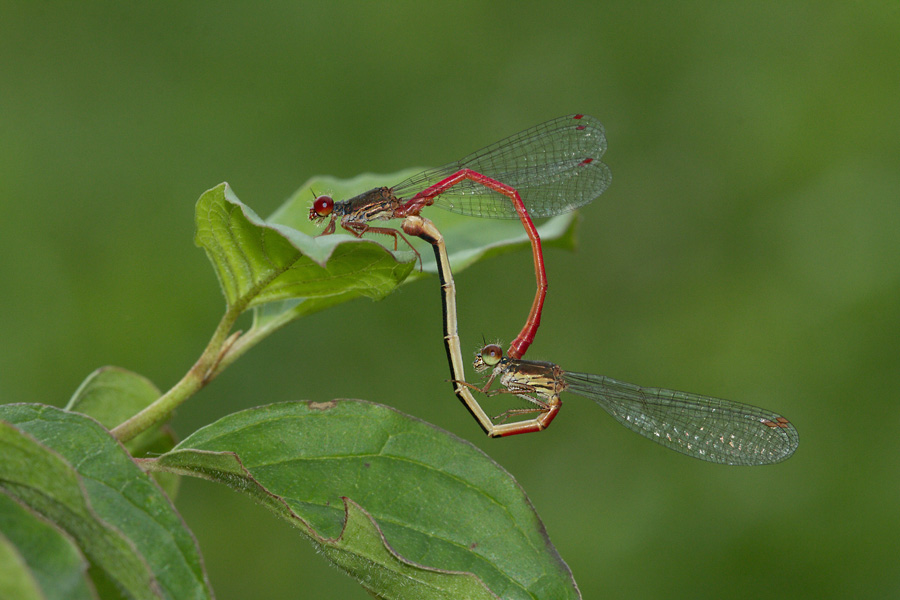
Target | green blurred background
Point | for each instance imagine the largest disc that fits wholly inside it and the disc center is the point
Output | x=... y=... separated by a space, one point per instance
x=747 y=248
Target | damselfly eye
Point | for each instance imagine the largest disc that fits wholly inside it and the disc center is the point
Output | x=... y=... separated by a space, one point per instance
x=322 y=207
x=491 y=354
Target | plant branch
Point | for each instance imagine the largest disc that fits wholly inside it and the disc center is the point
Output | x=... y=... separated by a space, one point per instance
x=203 y=371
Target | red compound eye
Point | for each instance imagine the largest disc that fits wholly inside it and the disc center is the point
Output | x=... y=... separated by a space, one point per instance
x=322 y=207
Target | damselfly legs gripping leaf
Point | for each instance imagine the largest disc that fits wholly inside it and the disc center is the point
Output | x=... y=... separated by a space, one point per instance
x=544 y=171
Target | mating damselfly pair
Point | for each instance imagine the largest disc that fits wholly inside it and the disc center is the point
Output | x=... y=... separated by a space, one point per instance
x=544 y=171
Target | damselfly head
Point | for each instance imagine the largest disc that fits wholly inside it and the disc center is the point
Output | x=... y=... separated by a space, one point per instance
x=321 y=207
x=487 y=357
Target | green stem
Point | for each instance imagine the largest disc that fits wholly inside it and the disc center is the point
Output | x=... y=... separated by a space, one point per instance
x=248 y=340
x=258 y=332
x=203 y=371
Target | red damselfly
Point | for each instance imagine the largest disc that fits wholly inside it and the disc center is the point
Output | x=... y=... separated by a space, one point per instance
x=544 y=171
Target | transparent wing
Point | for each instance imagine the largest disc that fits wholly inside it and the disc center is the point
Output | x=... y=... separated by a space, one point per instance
x=712 y=429
x=554 y=166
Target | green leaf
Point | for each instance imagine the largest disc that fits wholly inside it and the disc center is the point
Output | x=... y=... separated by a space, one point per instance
x=67 y=468
x=15 y=579
x=258 y=262
x=35 y=551
x=359 y=549
x=442 y=506
x=468 y=239
x=112 y=395
x=42 y=480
